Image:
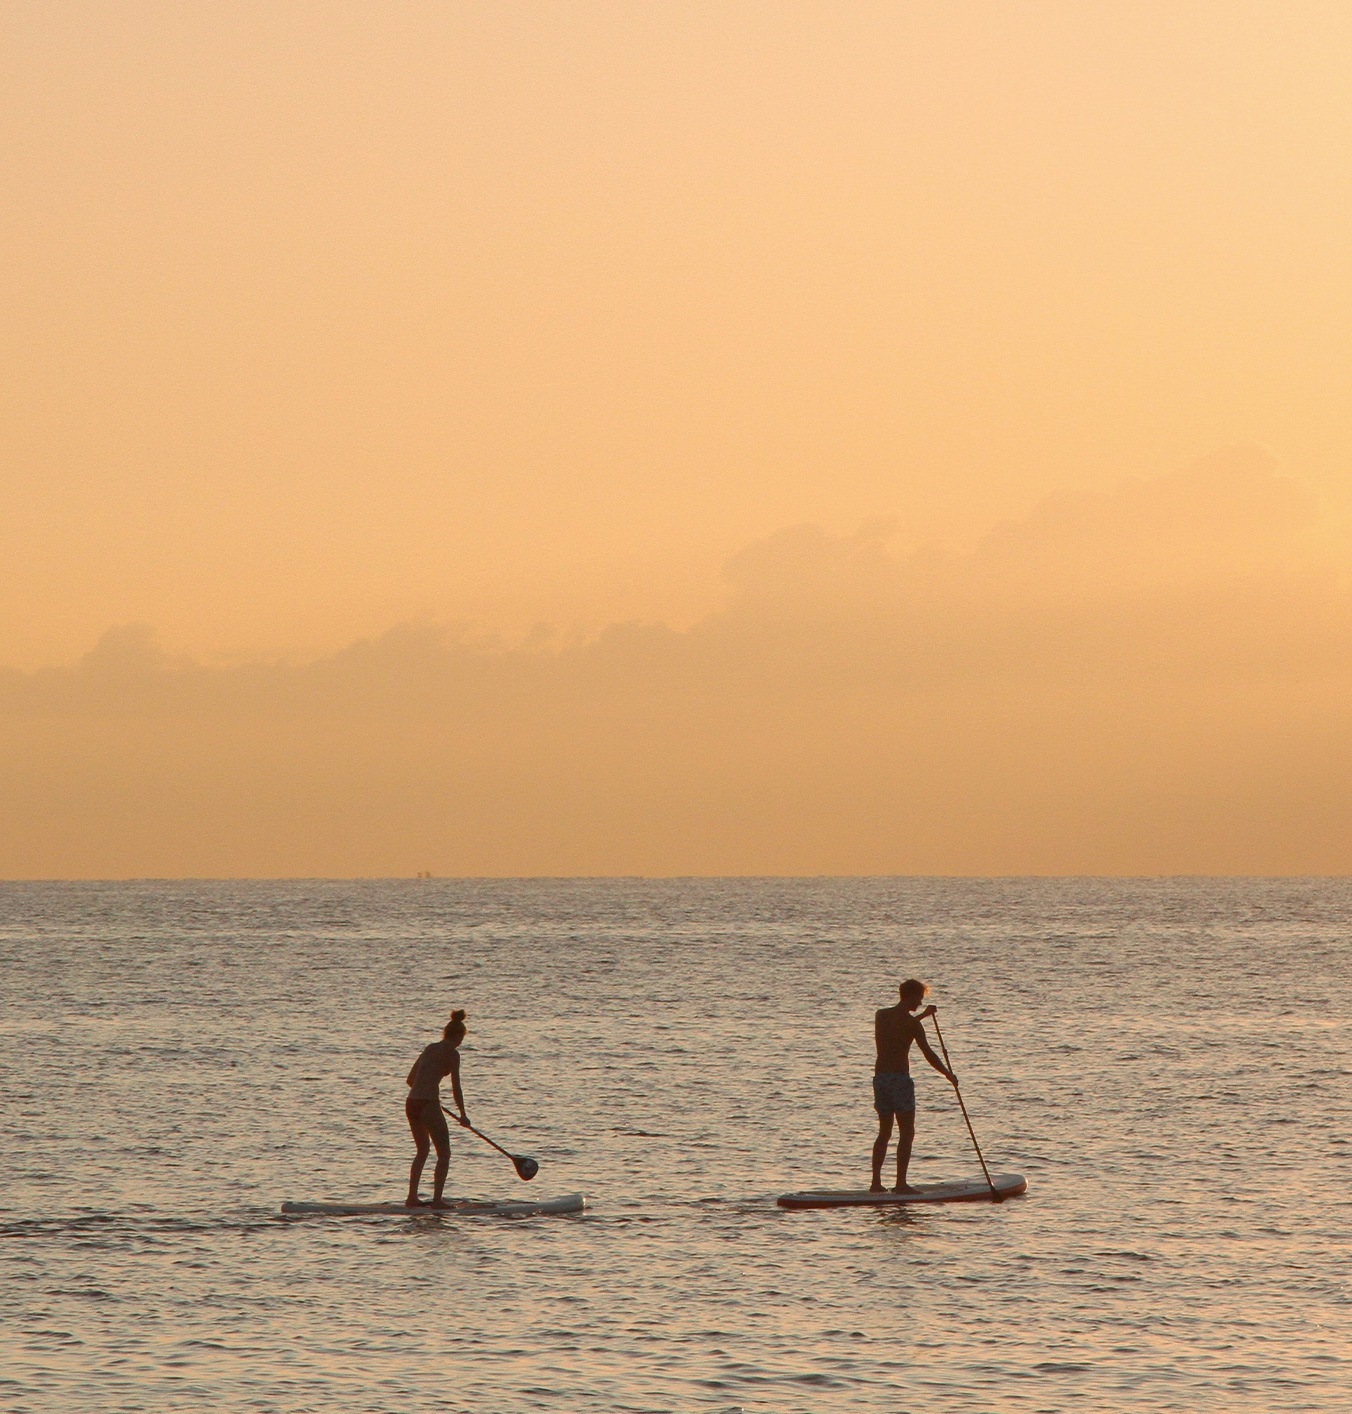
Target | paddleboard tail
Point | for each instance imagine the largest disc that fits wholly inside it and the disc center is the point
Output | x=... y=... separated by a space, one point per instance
x=457 y=1208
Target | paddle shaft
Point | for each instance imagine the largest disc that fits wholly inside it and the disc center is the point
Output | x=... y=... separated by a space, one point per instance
x=480 y=1133
x=958 y=1092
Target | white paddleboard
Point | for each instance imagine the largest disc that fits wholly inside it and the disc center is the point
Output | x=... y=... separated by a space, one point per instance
x=969 y=1190
x=463 y=1208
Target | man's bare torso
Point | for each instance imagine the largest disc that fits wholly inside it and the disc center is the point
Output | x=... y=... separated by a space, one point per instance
x=894 y=1030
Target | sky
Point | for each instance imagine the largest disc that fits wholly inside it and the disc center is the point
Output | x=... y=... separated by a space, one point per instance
x=675 y=438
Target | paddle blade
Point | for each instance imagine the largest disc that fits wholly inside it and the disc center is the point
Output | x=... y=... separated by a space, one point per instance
x=526 y=1167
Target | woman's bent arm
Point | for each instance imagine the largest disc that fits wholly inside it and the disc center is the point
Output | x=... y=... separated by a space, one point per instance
x=455 y=1086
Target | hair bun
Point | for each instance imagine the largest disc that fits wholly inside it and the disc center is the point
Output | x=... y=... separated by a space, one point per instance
x=458 y=1014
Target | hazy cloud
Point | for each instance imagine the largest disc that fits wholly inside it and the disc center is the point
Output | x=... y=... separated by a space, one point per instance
x=1152 y=679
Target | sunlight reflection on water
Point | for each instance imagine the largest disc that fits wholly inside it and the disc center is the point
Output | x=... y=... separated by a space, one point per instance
x=1165 y=1060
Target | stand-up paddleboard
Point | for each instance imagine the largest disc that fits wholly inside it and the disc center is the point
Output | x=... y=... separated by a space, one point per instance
x=461 y=1208
x=969 y=1190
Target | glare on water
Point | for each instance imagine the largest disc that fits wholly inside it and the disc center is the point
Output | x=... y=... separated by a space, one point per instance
x=1166 y=1061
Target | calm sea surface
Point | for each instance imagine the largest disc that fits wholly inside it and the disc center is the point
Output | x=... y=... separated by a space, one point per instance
x=1167 y=1062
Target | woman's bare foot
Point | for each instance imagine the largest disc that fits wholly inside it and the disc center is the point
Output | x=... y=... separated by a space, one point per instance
x=439 y=1203
x=905 y=1188
x=413 y=1201
x=876 y=1186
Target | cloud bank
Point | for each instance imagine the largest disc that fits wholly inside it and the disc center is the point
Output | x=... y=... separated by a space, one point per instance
x=1150 y=680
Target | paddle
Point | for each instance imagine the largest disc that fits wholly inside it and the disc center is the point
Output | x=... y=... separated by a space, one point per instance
x=934 y=1017
x=525 y=1166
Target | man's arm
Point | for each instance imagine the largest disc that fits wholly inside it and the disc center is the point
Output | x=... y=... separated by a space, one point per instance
x=921 y=1040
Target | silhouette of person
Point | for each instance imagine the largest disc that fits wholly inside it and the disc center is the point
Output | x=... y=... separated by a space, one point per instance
x=894 y=1028
x=426 y=1118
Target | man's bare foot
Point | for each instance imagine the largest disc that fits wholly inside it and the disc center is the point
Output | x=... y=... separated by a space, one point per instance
x=905 y=1188
x=413 y=1201
x=877 y=1186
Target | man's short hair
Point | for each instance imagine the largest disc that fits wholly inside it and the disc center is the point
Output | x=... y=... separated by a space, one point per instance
x=913 y=992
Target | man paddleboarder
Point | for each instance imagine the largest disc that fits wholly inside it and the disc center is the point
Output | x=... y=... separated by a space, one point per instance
x=426 y=1118
x=894 y=1028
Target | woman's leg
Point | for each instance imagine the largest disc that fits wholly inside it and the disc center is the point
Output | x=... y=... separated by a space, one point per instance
x=440 y=1136
x=422 y=1138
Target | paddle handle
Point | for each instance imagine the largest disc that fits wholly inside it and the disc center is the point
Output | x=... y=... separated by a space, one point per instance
x=958 y=1092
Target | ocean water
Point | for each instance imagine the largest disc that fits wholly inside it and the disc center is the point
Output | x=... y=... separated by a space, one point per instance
x=1167 y=1062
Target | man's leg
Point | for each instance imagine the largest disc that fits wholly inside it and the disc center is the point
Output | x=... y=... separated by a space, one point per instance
x=880 y=1150
x=905 y=1138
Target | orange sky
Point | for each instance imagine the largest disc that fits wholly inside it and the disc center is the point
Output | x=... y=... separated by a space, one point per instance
x=327 y=318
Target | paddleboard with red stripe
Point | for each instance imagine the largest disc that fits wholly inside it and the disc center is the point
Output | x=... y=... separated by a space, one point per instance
x=968 y=1190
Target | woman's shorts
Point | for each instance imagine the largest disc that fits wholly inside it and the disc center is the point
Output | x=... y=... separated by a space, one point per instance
x=893 y=1093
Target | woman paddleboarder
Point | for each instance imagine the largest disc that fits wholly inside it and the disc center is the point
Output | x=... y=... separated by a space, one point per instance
x=426 y=1118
